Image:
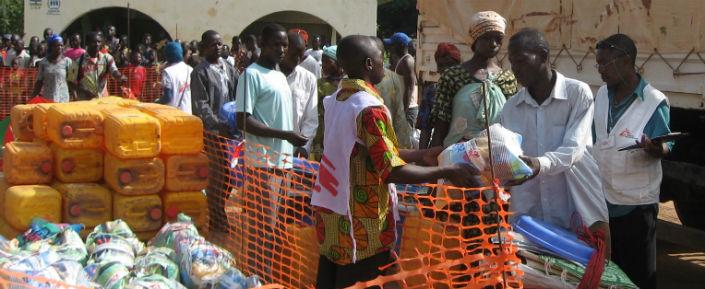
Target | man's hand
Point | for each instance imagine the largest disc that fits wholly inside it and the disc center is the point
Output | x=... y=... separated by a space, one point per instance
x=535 y=166
x=301 y=152
x=430 y=156
x=654 y=148
x=296 y=138
x=463 y=175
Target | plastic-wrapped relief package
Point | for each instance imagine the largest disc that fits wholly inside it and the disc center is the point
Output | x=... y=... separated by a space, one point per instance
x=110 y=275
x=112 y=248
x=154 y=282
x=157 y=261
x=234 y=279
x=183 y=228
x=47 y=263
x=506 y=149
x=202 y=263
x=116 y=228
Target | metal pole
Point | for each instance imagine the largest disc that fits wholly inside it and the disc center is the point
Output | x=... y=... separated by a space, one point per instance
x=485 y=96
x=129 y=36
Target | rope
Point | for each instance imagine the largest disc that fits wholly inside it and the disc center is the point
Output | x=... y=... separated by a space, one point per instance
x=596 y=265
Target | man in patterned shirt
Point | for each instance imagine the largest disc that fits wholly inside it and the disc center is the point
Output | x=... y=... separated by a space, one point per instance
x=89 y=73
x=354 y=196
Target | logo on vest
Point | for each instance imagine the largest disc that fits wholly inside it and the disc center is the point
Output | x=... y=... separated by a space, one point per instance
x=626 y=133
x=326 y=178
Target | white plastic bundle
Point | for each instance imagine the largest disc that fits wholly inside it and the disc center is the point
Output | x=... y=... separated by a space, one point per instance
x=506 y=149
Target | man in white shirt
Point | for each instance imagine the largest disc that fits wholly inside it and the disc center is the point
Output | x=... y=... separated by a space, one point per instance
x=304 y=92
x=316 y=50
x=309 y=63
x=553 y=114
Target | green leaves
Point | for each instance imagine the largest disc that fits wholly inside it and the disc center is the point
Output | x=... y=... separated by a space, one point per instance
x=12 y=16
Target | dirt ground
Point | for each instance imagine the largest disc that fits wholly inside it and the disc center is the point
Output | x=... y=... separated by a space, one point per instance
x=679 y=265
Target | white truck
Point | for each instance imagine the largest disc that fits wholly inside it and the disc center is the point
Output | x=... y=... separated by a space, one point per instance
x=670 y=37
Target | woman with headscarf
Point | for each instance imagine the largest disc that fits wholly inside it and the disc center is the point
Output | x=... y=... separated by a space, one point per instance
x=327 y=85
x=52 y=71
x=176 y=79
x=458 y=113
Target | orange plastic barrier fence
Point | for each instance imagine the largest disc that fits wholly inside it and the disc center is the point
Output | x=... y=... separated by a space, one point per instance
x=443 y=242
x=17 y=85
x=263 y=216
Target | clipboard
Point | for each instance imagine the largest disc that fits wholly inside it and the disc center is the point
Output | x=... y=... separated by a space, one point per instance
x=664 y=138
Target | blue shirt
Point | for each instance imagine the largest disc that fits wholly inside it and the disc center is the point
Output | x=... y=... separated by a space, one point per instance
x=265 y=94
x=657 y=125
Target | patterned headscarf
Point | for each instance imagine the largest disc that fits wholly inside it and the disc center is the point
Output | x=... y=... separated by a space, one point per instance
x=447 y=49
x=331 y=51
x=486 y=21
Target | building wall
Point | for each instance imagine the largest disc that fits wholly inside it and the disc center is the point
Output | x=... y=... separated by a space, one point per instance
x=229 y=17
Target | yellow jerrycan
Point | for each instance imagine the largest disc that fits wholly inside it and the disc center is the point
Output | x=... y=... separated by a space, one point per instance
x=27 y=163
x=131 y=134
x=134 y=176
x=193 y=204
x=39 y=120
x=89 y=204
x=21 y=121
x=186 y=172
x=24 y=203
x=75 y=125
x=116 y=100
x=182 y=133
x=142 y=213
x=77 y=165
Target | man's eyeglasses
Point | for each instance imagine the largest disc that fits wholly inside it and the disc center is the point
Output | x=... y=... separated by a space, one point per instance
x=602 y=65
x=607 y=45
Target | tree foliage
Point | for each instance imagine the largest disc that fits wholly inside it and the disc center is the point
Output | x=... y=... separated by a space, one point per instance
x=12 y=16
x=397 y=16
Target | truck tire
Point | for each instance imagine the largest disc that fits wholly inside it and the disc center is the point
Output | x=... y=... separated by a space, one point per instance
x=689 y=207
x=688 y=194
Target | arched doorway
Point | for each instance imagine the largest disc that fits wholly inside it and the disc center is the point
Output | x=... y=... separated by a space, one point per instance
x=295 y=19
x=139 y=24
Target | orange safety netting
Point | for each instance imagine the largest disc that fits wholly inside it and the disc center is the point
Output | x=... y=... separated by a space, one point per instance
x=264 y=218
x=17 y=85
x=444 y=242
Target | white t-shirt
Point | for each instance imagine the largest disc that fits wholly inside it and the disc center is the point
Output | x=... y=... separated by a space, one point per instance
x=264 y=93
x=231 y=60
x=317 y=54
x=312 y=65
x=177 y=77
x=304 y=92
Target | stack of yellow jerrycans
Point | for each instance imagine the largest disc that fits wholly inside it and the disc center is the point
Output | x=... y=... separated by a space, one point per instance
x=90 y=162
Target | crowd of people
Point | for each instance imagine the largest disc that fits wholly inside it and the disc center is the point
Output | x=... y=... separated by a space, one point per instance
x=357 y=114
x=58 y=59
